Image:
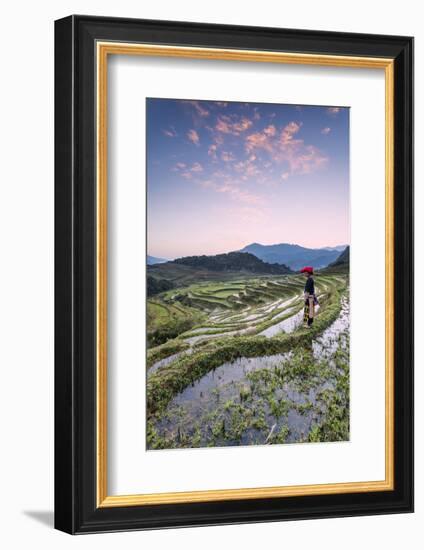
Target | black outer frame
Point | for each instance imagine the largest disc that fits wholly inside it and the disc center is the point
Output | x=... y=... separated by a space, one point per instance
x=75 y=274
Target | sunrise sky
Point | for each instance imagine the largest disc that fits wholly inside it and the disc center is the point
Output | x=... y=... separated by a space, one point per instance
x=221 y=175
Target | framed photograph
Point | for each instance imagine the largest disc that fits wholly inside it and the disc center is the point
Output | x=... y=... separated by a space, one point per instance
x=233 y=266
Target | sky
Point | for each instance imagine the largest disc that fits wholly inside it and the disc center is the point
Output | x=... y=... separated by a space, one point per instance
x=222 y=175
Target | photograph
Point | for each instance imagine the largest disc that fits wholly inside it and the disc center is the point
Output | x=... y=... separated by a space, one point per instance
x=247 y=273
x=233 y=271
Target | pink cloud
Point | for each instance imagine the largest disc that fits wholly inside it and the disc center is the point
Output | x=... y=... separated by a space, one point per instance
x=247 y=168
x=270 y=130
x=310 y=160
x=193 y=136
x=201 y=111
x=223 y=182
x=229 y=187
x=289 y=131
x=259 y=140
x=170 y=132
x=218 y=140
x=179 y=166
x=238 y=194
x=251 y=170
x=326 y=131
x=222 y=126
x=227 y=157
x=233 y=125
x=187 y=175
x=333 y=110
x=186 y=171
x=212 y=150
x=197 y=167
x=285 y=148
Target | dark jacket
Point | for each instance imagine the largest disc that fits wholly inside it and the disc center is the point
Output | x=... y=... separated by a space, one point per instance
x=310 y=286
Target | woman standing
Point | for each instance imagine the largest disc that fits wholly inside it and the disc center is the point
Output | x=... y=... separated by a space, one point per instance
x=309 y=296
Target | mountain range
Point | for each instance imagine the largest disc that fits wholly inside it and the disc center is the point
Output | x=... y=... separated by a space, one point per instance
x=293 y=255
x=152 y=260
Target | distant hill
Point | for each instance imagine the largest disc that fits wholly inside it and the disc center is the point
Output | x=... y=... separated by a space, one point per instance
x=293 y=255
x=152 y=260
x=339 y=248
x=342 y=262
x=233 y=261
x=156 y=285
x=344 y=257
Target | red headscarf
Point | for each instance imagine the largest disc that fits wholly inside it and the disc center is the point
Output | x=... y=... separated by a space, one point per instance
x=307 y=269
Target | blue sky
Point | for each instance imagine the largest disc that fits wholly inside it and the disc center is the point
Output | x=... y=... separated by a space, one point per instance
x=221 y=175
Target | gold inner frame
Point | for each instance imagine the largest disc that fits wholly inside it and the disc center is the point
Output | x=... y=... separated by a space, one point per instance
x=104 y=49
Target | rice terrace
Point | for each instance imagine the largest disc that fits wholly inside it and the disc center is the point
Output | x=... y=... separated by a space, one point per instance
x=231 y=363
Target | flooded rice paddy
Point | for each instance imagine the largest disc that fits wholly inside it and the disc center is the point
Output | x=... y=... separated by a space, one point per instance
x=301 y=395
